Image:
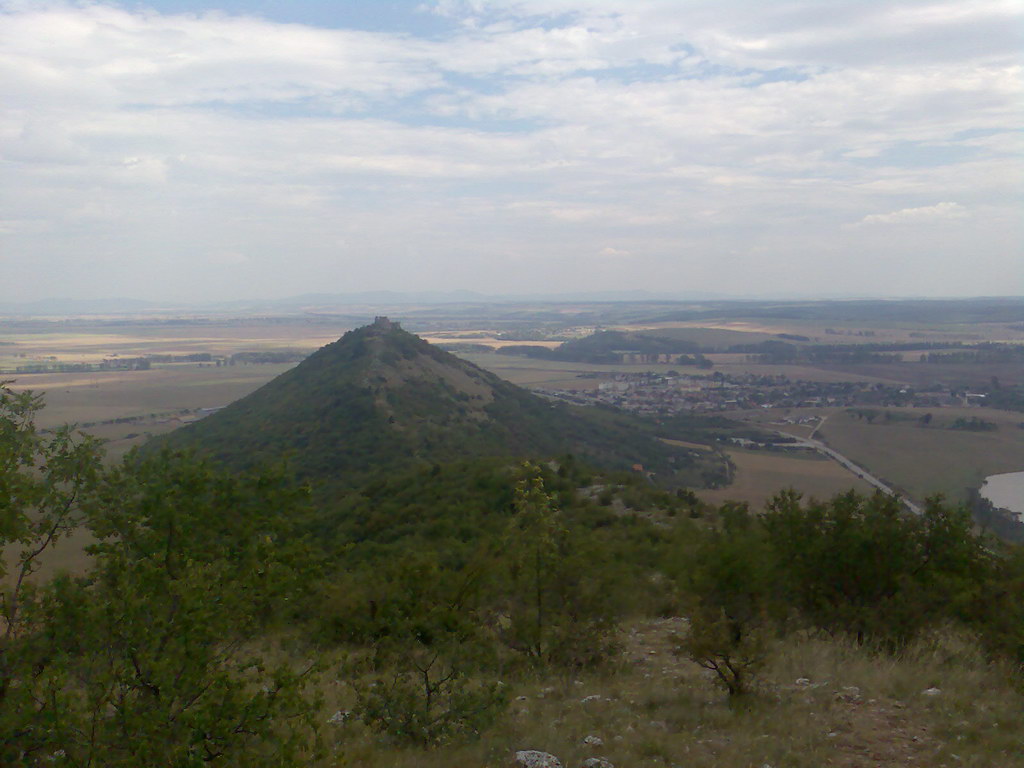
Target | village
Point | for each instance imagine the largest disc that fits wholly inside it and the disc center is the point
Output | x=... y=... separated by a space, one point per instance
x=672 y=392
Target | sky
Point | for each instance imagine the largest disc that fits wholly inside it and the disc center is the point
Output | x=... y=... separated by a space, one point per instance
x=230 y=149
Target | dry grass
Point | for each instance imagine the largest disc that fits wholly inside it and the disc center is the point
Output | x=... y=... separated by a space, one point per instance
x=820 y=703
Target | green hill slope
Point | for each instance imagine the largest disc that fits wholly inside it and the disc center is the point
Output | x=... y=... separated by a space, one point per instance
x=381 y=398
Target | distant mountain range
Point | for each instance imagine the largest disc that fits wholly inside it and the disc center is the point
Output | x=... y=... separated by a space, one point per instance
x=381 y=399
x=326 y=301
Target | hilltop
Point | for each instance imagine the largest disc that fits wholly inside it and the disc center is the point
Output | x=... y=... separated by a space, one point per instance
x=381 y=398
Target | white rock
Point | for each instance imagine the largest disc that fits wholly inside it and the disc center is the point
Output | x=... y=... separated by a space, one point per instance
x=802 y=681
x=596 y=762
x=593 y=741
x=533 y=758
x=931 y=692
x=590 y=699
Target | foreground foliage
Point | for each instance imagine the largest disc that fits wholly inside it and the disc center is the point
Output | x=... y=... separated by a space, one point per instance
x=150 y=658
x=434 y=597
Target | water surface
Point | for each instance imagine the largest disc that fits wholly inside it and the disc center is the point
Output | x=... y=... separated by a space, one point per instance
x=1006 y=491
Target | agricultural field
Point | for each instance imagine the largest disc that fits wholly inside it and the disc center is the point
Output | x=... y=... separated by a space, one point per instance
x=482 y=338
x=861 y=331
x=935 y=458
x=918 y=374
x=917 y=459
x=108 y=395
x=555 y=374
x=126 y=407
x=90 y=341
x=147 y=402
x=761 y=474
x=736 y=364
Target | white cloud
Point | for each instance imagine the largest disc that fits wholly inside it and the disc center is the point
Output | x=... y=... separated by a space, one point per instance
x=927 y=213
x=545 y=127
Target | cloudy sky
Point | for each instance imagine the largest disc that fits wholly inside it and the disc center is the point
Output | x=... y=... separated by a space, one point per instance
x=218 y=149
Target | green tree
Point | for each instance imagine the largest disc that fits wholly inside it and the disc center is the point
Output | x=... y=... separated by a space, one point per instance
x=152 y=657
x=191 y=567
x=555 y=606
x=47 y=486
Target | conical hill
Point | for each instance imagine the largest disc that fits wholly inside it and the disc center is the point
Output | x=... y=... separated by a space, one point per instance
x=381 y=398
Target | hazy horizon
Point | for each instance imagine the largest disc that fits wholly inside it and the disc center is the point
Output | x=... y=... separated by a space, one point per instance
x=205 y=151
x=372 y=302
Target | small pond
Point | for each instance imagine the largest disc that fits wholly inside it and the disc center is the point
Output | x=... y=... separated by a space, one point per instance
x=1006 y=491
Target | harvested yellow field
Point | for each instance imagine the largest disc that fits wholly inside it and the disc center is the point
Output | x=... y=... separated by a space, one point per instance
x=762 y=474
x=38 y=341
x=685 y=444
x=485 y=341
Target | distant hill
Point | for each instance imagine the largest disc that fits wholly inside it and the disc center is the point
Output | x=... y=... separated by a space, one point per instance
x=615 y=347
x=381 y=398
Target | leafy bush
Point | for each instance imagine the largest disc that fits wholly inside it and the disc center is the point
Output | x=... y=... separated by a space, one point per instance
x=429 y=701
x=426 y=679
x=729 y=578
x=862 y=566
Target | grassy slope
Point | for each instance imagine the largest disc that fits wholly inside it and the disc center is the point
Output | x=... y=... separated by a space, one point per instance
x=656 y=709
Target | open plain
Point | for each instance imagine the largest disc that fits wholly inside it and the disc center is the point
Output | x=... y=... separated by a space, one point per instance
x=126 y=407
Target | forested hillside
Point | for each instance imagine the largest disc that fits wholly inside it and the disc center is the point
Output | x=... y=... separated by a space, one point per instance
x=380 y=399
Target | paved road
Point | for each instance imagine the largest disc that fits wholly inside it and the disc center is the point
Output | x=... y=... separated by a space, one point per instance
x=823 y=449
